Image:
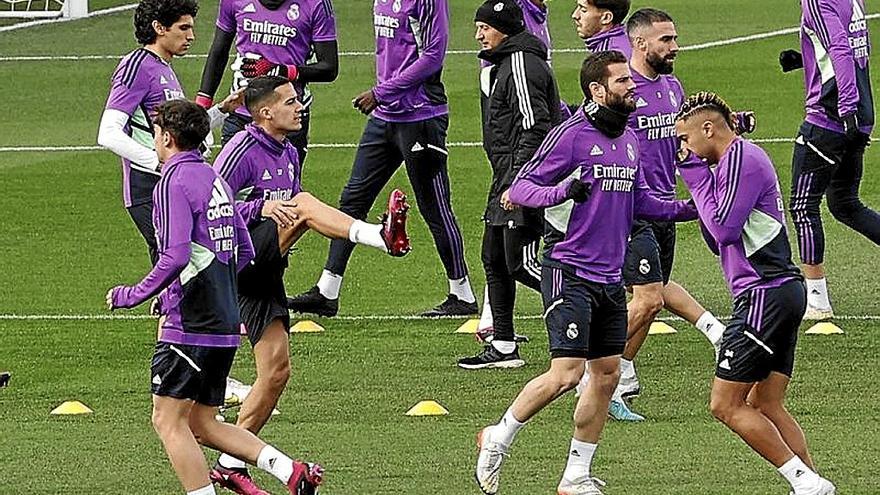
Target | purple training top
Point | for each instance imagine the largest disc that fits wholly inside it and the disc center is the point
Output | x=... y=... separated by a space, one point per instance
x=141 y=82
x=285 y=35
x=203 y=242
x=590 y=237
x=259 y=168
x=613 y=39
x=411 y=41
x=835 y=47
x=657 y=103
x=742 y=216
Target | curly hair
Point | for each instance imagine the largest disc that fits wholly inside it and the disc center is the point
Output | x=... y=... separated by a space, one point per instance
x=706 y=101
x=166 y=12
x=186 y=121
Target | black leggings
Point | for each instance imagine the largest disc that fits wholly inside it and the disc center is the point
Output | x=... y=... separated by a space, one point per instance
x=509 y=256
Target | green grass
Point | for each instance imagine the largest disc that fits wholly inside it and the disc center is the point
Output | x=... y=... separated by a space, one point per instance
x=66 y=239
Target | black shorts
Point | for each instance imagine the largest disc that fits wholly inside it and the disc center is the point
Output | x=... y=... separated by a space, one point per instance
x=762 y=335
x=584 y=319
x=649 y=253
x=191 y=372
x=261 y=294
x=142 y=215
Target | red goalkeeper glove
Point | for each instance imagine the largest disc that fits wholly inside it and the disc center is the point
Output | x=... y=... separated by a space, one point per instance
x=256 y=67
x=204 y=100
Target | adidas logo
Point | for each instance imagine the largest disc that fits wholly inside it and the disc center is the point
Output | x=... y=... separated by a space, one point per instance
x=417 y=147
x=724 y=364
x=249 y=9
x=596 y=151
x=219 y=206
x=272 y=462
x=641 y=103
x=814 y=292
x=575 y=453
x=162 y=80
x=798 y=473
x=267 y=175
x=157 y=380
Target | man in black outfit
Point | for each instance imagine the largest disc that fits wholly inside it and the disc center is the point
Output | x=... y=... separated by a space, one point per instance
x=520 y=104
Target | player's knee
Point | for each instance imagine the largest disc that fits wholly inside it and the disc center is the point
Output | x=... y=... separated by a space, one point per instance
x=606 y=380
x=648 y=303
x=566 y=380
x=164 y=423
x=843 y=209
x=722 y=408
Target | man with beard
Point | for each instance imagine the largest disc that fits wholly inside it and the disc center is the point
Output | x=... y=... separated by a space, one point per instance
x=600 y=24
x=651 y=249
x=520 y=103
x=589 y=214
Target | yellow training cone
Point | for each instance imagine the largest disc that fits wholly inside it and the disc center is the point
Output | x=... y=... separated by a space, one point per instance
x=824 y=328
x=660 y=328
x=469 y=326
x=306 y=326
x=427 y=408
x=71 y=407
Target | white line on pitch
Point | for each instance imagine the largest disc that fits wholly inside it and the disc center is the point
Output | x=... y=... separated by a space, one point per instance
x=123 y=317
x=698 y=46
x=42 y=22
x=453 y=144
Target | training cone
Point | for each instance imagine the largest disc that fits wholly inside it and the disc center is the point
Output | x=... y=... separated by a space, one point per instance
x=824 y=328
x=427 y=408
x=660 y=328
x=306 y=326
x=71 y=407
x=469 y=326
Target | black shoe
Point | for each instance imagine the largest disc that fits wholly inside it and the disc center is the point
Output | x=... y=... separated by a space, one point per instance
x=313 y=302
x=452 y=306
x=490 y=357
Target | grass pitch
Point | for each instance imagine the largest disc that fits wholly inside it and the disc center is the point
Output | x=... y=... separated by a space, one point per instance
x=66 y=239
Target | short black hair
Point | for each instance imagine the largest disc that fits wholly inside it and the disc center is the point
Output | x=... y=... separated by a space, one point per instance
x=646 y=17
x=187 y=122
x=167 y=12
x=595 y=68
x=618 y=8
x=260 y=89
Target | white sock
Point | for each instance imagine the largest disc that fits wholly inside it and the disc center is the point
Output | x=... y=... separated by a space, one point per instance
x=274 y=462
x=817 y=293
x=506 y=429
x=486 y=320
x=580 y=457
x=799 y=476
x=627 y=368
x=329 y=283
x=205 y=490
x=710 y=327
x=504 y=346
x=461 y=288
x=367 y=234
x=230 y=462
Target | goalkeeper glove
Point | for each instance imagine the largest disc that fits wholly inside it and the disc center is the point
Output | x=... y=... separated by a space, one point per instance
x=203 y=100
x=578 y=190
x=255 y=67
x=790 y=60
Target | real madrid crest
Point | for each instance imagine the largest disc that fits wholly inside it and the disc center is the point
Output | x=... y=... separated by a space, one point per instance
x=293 y=12
x=630 y=152
x=396 y=6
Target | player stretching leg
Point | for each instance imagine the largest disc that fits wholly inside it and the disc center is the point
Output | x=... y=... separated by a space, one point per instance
x=589 y=212
x=408 y=123
x=202 y=242
x=830 y=146
x=743 y=221
x=262 y=168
